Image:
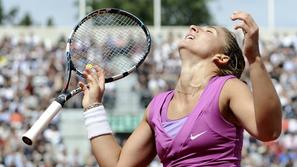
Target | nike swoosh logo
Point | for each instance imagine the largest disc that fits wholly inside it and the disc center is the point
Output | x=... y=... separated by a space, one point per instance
x=193 y=137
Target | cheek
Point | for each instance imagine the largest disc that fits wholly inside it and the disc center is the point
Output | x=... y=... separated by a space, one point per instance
x=211 y=46
x=203 y=47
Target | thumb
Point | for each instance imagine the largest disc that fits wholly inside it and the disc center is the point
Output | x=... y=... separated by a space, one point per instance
x=83 y=87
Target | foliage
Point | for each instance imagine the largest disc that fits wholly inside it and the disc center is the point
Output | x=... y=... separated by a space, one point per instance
x=173 y=12
x=9 y=17
x=1 y=12
x=26 y=20
x=50 y=22
x=185 y=12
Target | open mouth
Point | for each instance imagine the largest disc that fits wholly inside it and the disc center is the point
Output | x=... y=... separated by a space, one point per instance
x=189 y=36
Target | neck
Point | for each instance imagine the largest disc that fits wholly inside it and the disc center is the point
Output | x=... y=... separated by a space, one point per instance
x=194 y=77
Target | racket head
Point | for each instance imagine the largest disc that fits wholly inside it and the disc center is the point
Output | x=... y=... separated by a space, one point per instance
x=114 y=39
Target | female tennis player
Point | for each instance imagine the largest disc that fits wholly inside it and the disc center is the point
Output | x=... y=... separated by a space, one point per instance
x=201 y=121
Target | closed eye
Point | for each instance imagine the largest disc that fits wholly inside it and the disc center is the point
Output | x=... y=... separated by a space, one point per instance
x=209 y=31
x=213 y=30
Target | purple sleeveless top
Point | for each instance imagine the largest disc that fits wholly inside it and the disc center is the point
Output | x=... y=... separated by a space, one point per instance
x=205 y=138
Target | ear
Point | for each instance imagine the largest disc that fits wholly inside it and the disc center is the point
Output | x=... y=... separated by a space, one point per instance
x=220 y=59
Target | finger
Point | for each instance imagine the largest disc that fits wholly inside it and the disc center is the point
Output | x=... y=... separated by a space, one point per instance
x=98 y=69
x=92 y=72
x=89 y=77
x=243 y=27
x=83 y=87
x=101 y=75
x=245 y=17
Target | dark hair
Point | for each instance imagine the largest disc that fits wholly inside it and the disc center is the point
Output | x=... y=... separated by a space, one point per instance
x=236 y=64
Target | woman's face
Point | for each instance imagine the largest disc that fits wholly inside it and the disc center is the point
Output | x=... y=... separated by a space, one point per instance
x=203 y=41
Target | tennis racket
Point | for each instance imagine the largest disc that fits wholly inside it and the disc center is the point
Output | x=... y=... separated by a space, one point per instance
x=115 y=40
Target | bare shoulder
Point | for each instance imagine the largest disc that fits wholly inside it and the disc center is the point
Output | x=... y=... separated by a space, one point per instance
x=235 y=87
x=235 y=82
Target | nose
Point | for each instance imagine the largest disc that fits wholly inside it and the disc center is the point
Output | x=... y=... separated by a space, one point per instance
x=194 y=28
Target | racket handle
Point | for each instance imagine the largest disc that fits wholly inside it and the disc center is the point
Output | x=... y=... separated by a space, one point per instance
x=30 y=136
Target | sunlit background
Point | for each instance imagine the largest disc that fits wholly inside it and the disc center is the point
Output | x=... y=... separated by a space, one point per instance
x=32 y=43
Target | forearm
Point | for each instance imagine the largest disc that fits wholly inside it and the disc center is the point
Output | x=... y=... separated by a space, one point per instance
x=106 y=150
x=266 y=101
x=104 y=146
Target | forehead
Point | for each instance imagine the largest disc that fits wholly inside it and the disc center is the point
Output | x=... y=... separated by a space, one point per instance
x=221 y=33
x=218 y=29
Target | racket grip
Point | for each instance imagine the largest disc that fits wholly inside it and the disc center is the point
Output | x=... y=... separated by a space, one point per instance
x=30 y=136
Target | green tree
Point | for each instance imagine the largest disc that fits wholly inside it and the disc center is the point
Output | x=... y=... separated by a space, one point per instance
x=8 y=17
x=173 y=12
x=1 y=13
x=142 y=9
x=185 y=12
x=50 y=22
x=11 y=15
x=26 y=20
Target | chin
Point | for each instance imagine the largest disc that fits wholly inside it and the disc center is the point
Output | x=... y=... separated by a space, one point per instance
x=182 y=45
x=181 y=49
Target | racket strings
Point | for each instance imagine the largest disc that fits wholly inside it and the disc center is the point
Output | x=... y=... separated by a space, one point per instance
x=121 y=20
x=116 y=42
x=110 y=21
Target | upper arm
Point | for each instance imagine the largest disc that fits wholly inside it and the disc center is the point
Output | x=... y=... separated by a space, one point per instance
x=240 y=102
x=139 y=150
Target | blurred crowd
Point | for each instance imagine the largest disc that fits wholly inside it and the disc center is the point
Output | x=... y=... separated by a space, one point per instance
x=32 y=73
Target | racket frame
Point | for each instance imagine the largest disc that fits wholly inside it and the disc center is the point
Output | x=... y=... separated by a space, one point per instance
x=54 y=108
x=103 y=11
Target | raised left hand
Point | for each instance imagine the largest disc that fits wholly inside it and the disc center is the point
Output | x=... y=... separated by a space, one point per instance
x=251 y=34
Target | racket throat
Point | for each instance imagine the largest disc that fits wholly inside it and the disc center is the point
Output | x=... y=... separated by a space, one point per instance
x=63 y=97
